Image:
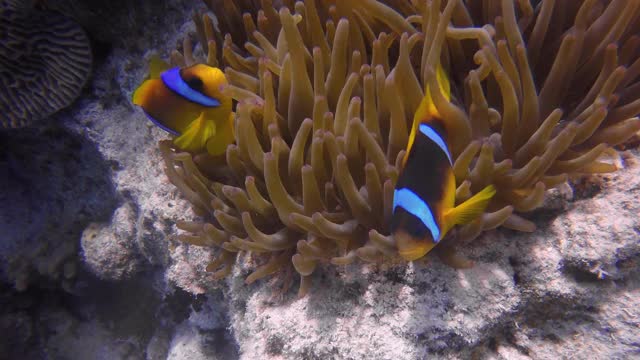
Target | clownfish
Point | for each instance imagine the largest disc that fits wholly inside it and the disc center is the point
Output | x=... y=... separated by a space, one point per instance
x=424 y=197
x=189 y=104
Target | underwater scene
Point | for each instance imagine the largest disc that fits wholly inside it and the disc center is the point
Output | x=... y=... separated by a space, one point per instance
x=320 y=179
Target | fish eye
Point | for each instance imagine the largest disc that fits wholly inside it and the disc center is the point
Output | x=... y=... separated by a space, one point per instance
x=195 y=83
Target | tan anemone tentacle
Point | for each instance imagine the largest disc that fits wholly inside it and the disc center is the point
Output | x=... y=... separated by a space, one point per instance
x=326 y=92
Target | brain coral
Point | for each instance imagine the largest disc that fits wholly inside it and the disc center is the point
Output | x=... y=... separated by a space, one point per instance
x=326 y=92
x=45 y=60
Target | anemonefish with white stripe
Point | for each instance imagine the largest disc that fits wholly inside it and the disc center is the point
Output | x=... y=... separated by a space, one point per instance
x=424 y=197
x=189 y=104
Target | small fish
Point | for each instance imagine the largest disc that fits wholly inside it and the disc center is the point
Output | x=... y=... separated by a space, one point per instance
x=188 y=103
x=424 y=197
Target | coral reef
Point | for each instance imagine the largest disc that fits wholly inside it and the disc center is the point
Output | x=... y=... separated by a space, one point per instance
x=45 y=60
x=326 y=94
x=567 y=290
x=97 y=162
x=106 y=249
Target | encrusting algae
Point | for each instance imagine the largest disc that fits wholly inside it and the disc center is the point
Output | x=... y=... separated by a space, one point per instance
x=326 y=92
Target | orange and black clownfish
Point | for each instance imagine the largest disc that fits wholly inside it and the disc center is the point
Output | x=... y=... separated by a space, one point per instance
x=189 y=104
x=424 y=197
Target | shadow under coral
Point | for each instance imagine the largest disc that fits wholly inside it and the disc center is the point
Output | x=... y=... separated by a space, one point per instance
x=54 y=183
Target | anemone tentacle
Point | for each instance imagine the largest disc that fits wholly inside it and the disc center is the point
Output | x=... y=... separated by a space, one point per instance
x=326 y=94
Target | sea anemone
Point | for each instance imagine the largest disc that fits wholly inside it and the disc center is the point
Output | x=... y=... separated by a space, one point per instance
x=326 y=94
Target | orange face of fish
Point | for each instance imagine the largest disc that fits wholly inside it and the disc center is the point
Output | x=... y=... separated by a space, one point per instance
x=189 y=103
x=165 y=108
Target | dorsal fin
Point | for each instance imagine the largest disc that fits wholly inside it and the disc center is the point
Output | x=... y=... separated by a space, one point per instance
x=427 y=109
x=157 y=66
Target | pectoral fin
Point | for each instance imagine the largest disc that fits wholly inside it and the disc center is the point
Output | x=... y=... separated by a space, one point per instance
x=195 y=137
x=225 y=135
x=427 y=109
x=468 y=210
